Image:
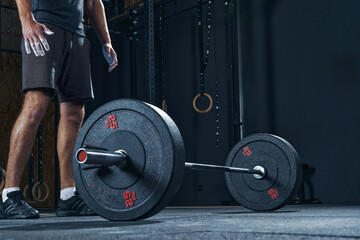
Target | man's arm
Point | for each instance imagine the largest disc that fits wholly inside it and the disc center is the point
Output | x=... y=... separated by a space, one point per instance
x=95 y=11
x=31 y=29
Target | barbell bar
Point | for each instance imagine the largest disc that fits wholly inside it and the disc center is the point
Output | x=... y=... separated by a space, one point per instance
x=120 y=159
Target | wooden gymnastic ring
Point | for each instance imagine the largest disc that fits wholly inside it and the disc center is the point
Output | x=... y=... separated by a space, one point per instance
x=164 y=106
x=28 y=198
x=210 y=105
x=38 y=199
x=2 y=180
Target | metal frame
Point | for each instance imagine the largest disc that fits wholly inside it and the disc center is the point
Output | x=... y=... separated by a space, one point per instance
x=239 y=67
x=1 y=6
x=56 y=157
x=150 y=48
x=234 y=75
x=149 y=42
x=236 y=104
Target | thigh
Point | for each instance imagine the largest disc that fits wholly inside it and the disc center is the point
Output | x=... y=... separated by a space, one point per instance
x=42 y=71
x=76 y=83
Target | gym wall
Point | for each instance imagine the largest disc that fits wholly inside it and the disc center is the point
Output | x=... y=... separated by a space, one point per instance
x=301 y=72
x=300 y=69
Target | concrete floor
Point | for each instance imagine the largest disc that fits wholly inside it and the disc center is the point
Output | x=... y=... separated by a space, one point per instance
x=291 y=222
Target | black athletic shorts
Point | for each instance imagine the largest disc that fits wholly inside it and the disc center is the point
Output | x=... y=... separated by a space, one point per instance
x=65 y=68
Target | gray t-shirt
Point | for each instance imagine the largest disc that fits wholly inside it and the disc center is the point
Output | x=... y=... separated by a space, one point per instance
x=65 y=14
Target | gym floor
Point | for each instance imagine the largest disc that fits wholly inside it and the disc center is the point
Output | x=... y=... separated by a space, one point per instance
x=290 y=222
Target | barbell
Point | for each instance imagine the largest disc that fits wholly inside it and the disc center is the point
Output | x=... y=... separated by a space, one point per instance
x=129 y=161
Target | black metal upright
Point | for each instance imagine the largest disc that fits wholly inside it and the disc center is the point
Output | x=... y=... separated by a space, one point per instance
x=150 y=48
x=234 y=72
x=57 y=167
x=133 y=52
x=0 y=24
x=239 y=67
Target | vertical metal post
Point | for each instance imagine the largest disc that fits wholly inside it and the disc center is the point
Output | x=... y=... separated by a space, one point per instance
x=0 y=26
x=57 y=168
x=133 y=61
x=234 y=121
x=133 y=75
x=149 y=48
x=239 y=67
x=234 y=62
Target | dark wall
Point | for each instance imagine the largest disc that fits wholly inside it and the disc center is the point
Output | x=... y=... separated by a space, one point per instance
x=300 y=69
x=302 y=82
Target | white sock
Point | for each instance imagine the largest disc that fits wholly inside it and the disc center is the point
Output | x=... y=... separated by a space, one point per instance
x=8 y=190
x=67 y=193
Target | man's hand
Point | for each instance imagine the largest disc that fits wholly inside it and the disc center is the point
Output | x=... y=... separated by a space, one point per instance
x=96 y=13
x=34 y=38
x=110 y=56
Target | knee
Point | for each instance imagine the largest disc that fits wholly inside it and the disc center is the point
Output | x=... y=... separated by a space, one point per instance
x=34 y=114
x=75 y=118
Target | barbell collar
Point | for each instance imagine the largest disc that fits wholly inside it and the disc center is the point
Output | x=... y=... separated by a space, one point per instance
x=207 y=167
x=102 y=157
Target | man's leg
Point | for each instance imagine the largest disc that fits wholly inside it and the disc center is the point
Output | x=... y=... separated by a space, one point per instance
x=23 y=135
x=71 y=117
x=21 y=142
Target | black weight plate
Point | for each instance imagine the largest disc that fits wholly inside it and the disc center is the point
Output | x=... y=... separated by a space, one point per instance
x=299 y=175
x=157 y=156
x=283 y=172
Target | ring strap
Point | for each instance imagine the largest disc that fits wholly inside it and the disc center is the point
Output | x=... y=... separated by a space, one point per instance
x=40 y=158
x=201 y=46
x=31 y=179
x=203 y=60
